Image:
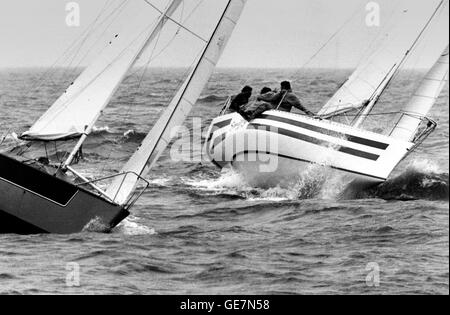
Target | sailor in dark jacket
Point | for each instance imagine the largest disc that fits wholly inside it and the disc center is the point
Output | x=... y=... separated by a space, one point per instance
x=238 y=101
x=257 y=108
x=285 y=99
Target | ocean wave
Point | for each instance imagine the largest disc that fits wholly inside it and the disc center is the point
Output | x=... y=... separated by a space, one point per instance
x=419 y=181
x=131 y=227
x=100 y=130
x=133 y=136
x=412 y=185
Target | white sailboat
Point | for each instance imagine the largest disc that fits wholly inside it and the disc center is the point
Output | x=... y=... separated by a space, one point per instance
x=278 y=145
x=32 y=201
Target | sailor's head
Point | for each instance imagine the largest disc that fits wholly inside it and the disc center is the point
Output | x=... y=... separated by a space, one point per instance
x=247 y=89
x=265 y=90
x=286 y=86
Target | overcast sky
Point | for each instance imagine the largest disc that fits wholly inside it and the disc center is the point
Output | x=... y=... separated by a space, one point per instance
x=271 y=33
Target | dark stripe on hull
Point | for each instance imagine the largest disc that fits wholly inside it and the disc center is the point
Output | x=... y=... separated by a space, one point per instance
x=218 y=141
x=355 y=139
x=310 y=162
x=222 y=124
x=299 y=136
x=217 y=127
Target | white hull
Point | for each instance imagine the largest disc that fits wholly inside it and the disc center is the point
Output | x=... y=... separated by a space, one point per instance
x=280 y=145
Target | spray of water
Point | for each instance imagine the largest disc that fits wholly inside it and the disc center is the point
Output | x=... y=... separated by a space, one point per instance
x=131 y=227
x=314 y=181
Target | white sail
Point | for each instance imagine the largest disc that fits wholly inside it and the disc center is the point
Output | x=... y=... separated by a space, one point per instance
x=160 y=136
x=423 y=100
x=76 y=111
x=370 y=78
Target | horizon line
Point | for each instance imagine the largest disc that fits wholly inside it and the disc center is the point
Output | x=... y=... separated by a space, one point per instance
x=217 y=68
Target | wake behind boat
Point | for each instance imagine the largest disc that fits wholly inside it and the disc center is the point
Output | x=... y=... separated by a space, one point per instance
x=39 y=195
x=278 y=145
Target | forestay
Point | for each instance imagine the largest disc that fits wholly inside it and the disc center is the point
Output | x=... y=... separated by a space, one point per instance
x=76 y=111
x=370 y=77
x=161 y=134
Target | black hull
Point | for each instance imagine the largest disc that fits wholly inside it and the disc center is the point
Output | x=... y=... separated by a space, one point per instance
x=33 y=202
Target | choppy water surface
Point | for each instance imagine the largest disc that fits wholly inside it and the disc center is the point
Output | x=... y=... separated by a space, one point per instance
x=201 y=231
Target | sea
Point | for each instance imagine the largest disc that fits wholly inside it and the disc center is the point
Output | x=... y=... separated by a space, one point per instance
x=201 y=230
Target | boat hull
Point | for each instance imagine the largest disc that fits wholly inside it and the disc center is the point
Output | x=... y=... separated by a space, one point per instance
x=34 y=202
x=280 y=145
x=290 y=171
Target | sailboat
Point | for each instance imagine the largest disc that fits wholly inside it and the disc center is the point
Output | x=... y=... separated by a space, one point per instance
x=278 y=145
x=34 y=199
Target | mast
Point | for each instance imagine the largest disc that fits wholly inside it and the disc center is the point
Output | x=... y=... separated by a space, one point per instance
x=75 y=112
x=173 y=6
x=159 y=137
x=367 y=83
x=423 y=100
x=385 y=84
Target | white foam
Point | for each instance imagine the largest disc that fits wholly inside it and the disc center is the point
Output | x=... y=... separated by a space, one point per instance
x=228 y=180
x=160 y=181
x=424 y=166
x=131 y=227
x=129 y=133
x=314 y=182
x=100 y=129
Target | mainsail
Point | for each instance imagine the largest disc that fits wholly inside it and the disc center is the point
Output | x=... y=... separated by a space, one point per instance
x=76 y=111
x=159 y=137
x=371 y=78
x=423 y=100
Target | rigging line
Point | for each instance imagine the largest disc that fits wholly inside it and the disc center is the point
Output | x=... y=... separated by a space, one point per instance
x=152 y=58
x=176 y=22
x=355 y=13
x=365 y=54
x=80 y=46
x=69 y=101
x=155 y=56
x=173 y=37
x=113 y=16
x=378 y=36
x=193 y=10
x=407 y=55
x=177 y=32
x=190 y=78
x=118 y=8
x=371 y=114
x=127 y=117
x=40 y=80
x=418 y=54
x=190 y=67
